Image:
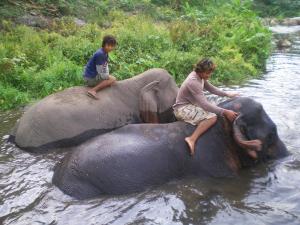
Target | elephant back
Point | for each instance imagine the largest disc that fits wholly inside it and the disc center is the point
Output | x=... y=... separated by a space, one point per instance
x=68 y=117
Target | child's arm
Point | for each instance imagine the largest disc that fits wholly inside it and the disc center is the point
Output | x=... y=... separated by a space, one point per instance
x=102 y=66
x=214 y=90
x=207 y=106
x=102 y=70
x=201 y=101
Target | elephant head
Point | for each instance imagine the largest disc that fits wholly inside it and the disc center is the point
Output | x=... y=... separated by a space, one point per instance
x=156 y=99
x=255 y=132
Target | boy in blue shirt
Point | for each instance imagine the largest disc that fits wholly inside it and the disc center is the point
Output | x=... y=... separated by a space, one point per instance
x=96 y=73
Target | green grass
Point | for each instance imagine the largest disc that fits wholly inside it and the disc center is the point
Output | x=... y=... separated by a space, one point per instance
x=277 y=8
x=35 y=63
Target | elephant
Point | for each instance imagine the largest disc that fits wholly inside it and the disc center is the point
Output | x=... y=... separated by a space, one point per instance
x=69 y=117
x=137 y=156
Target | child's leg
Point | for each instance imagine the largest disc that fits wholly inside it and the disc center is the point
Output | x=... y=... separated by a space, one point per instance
x=103 y=84
x=203 y=126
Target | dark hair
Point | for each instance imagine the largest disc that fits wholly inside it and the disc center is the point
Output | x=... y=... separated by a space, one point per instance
x=109 y=40
x=204 y=65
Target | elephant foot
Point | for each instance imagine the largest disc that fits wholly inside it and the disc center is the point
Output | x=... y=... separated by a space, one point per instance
x=191 y=145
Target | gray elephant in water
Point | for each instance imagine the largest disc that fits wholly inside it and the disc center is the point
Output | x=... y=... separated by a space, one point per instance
x=137 y=156
x=70 y=117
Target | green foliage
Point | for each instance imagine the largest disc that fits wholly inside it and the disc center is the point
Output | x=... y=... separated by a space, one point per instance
x=277 y=8
x=11 y=97
x=35 y=63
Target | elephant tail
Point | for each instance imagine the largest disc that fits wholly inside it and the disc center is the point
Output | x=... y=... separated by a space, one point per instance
x=13 y=132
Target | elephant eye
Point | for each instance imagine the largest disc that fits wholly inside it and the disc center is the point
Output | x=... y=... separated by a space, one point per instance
x=271 y=137
x=243 y=129
x=247 y=131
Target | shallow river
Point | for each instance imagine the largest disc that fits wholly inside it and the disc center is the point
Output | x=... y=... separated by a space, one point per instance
x=266 y=194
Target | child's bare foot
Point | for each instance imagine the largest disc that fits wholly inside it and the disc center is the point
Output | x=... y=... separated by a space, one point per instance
x=191 y=145
x=92 y=94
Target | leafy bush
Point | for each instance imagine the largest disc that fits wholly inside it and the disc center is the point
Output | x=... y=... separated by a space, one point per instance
x=11 y=97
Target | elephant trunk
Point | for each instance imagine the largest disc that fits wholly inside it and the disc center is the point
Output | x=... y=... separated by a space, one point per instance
x=242 y=141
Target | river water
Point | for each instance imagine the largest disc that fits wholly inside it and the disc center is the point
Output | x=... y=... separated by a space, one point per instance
x=266 y=194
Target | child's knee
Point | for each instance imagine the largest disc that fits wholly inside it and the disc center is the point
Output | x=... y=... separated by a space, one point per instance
x=214 y=119
x=112 y=79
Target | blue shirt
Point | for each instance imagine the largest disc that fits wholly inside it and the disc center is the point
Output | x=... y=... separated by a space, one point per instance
x=100 y=57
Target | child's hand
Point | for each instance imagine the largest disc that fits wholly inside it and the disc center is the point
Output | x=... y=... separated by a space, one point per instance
x=232 y=94
x=231 y=115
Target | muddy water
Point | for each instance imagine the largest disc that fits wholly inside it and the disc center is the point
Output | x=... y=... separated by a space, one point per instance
x=266 y=194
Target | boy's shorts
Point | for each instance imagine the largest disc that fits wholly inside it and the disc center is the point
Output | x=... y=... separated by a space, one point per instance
x=92 y=82
x=192 y=114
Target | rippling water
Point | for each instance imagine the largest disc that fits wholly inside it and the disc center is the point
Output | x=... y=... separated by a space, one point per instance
x=266 y=194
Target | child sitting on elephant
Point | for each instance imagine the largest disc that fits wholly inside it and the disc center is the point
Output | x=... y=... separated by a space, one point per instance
x=96 y=73
x=192 y=106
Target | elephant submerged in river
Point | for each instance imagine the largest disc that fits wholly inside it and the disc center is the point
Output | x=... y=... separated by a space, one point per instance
x=137 y=156
x=69 y=117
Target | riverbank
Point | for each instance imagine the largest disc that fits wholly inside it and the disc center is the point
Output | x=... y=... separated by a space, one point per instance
x=49 y=54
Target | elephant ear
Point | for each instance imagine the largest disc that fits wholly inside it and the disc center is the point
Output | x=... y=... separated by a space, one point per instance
x=148 y=103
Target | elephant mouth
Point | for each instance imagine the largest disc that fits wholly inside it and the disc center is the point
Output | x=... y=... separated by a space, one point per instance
x=250 y=146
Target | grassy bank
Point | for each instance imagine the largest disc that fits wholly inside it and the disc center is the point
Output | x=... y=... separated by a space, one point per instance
x=167 y=34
